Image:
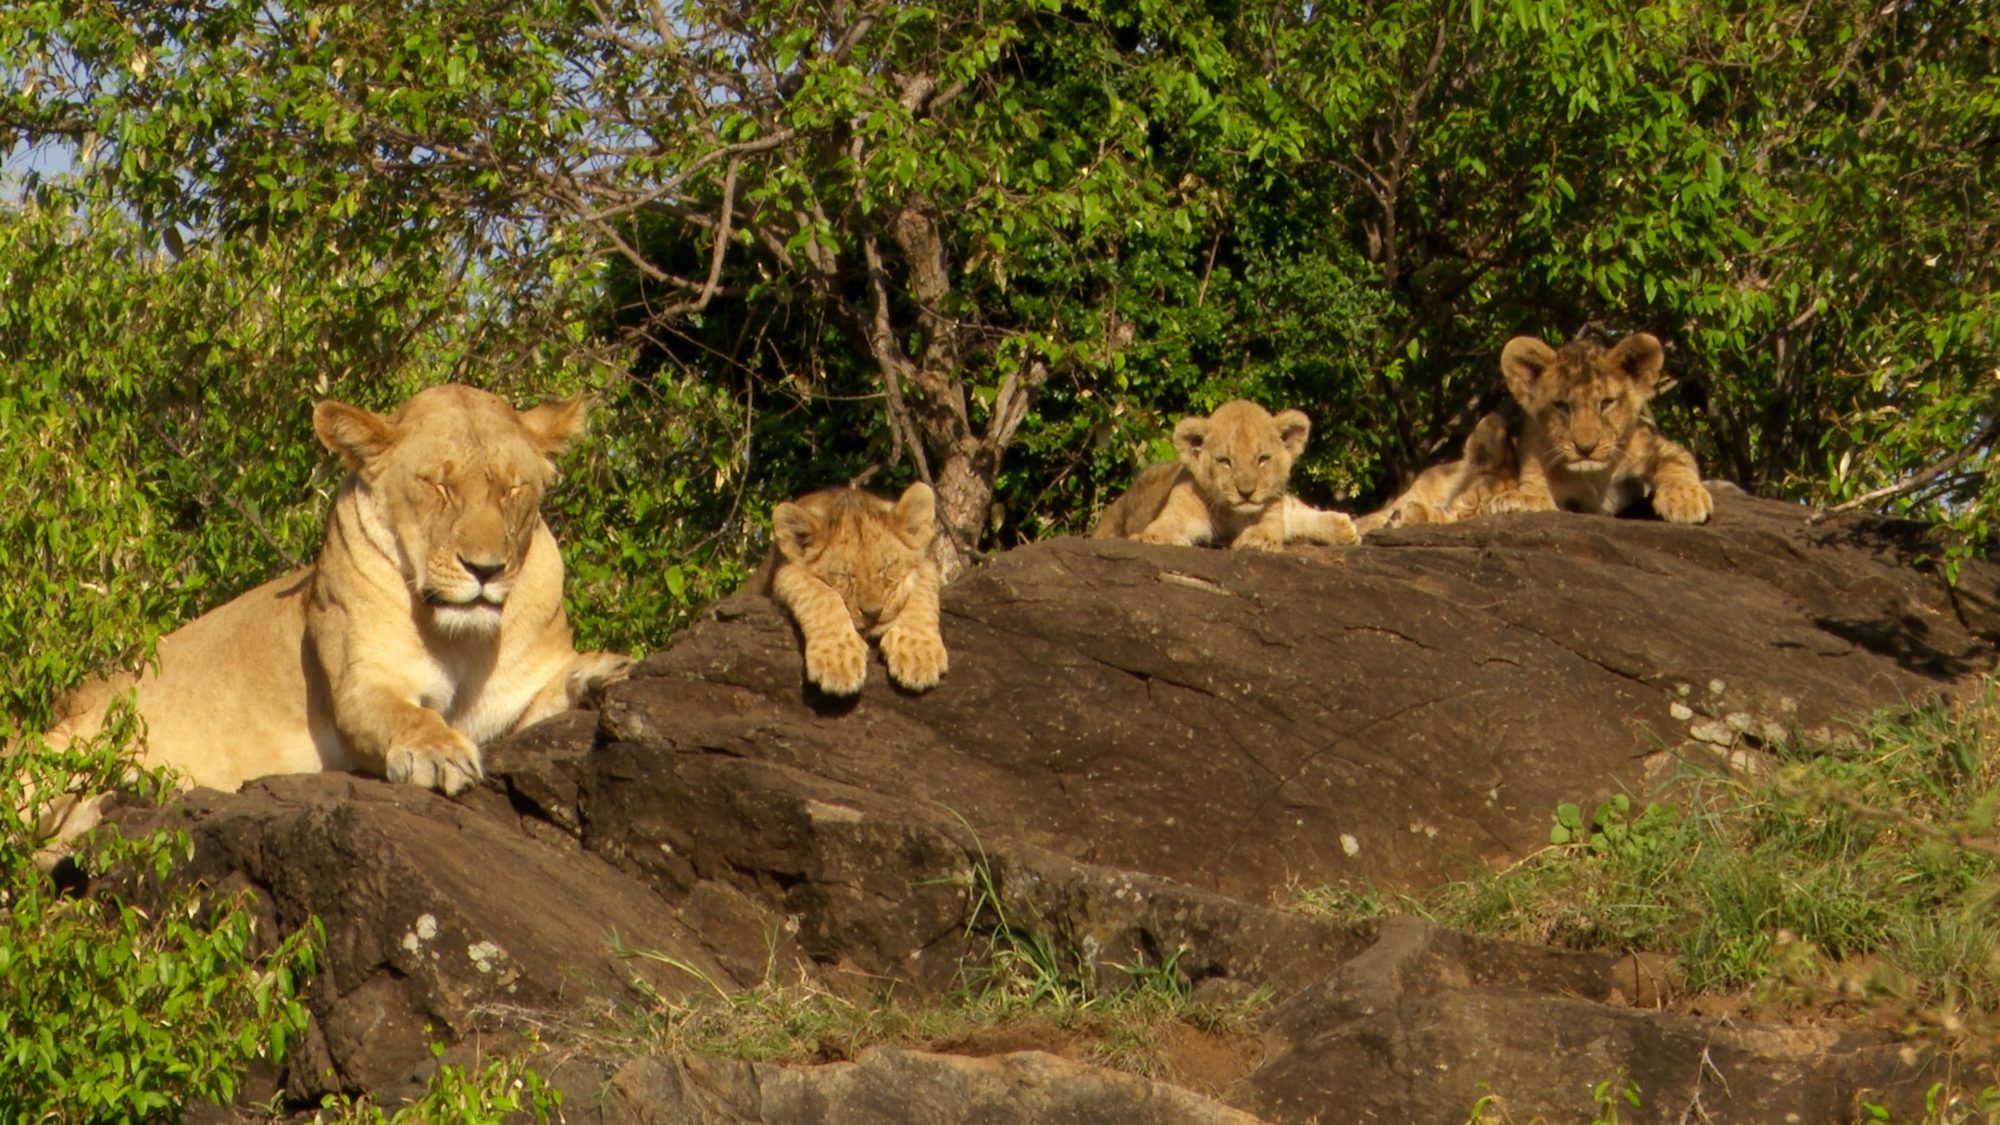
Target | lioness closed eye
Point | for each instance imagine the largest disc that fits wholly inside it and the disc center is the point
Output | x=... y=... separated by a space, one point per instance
x=1588 y=445
x=1228 y=488
x=850 y=563
x=431 y=622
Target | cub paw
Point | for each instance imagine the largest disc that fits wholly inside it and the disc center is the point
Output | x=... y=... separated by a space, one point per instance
x=445 y=760
x=916 y=659
x=1163 y=538
x=591 y=672
x=1335 y=529
x=1682 y=502
x=1261 y=538
x=1417 y=512
x=837 y=663
x=1515 y=500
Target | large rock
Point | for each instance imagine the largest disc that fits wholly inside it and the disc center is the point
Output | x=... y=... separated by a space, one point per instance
x=1136 y=751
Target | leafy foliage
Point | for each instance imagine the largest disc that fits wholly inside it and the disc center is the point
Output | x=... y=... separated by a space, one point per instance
x=505 y=1088
x=1006 y=245
x=113 y=1013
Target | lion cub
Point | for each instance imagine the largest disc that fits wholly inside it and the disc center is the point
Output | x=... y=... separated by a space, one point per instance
x=1588 y=444
x=850 y=563
x=1455 y=490
x=1228 y=488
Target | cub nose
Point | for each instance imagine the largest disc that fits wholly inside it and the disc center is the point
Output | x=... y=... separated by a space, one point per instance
x=1586 y=447
x=485 y=572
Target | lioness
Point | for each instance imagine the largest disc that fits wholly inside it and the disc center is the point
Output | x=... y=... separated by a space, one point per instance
x=850 y=563
x=1455 y=490
x=1588 y=444
x=1228 y=488
x=431 y=622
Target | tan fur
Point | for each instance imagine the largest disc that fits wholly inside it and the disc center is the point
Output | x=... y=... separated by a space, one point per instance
x=1228 y=488
x=1455 y=490
x=431 y=622
x=850 y=564
x=1588 y=444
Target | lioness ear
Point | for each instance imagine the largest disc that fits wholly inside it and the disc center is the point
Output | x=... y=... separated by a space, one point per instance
x=916 y=515
x=1293 y=429
x=354 y=435
x=794 y=530
x=553 y=425
x=1189 y=434
x=1639 y=357
x=1524 y=361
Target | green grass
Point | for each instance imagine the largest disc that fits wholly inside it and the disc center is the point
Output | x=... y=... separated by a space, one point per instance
x=1022 y=987
x=1844 y=876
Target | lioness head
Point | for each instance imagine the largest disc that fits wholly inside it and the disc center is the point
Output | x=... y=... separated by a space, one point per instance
x=1586 y=400
x=452 y=489
x=867 y=548
x=1242 y=454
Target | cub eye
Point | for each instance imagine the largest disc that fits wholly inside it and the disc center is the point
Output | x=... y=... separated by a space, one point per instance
x=1263 y=458
x=1562 y=406
x=1607 y=404
x=1222 y=461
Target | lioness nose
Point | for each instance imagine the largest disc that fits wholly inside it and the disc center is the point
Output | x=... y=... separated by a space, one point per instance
x=485 y=572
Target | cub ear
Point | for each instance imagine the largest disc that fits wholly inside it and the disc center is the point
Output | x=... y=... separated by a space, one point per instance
x=1189 y=434
x=1293 y=429
x=1486 y=446
x=553 y=425
x=1524 y=361
x=354 y=435
x=1639 y=358
x=794 y=530
x=916 y=515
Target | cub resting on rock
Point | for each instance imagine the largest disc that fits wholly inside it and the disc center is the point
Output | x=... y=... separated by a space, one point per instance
x=1455 y=490
x=431 y=622
x=850 y=563
x=1588 y=445
x=1228 y=488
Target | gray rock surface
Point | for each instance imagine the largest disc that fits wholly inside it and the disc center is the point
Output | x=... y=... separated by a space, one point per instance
x=1138 y=749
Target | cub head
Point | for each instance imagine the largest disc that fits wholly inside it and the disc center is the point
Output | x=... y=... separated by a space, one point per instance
x=1586 y=400
x=451 y=489
x=869 y=549
x=1242 y=454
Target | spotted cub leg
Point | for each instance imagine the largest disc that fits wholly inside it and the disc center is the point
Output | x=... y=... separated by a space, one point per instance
x=912 y=645
x=1678 y=494
x=1307 y=524
x=1529 y=494
x=836 y=656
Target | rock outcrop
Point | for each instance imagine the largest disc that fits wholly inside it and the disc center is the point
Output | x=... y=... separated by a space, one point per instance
x=1140 y=748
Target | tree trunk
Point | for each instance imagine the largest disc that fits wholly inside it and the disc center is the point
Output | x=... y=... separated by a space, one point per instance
x=964 y=494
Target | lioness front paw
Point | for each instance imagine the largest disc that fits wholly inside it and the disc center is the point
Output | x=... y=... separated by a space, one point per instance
x=1515 y=500
x=1682 y=502
x=446 y=761
x=916 y=658
x=1261 y=538
x=591 y=672
x=837 y=663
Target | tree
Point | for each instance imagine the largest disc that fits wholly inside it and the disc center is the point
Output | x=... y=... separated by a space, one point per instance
x=1007 y=245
